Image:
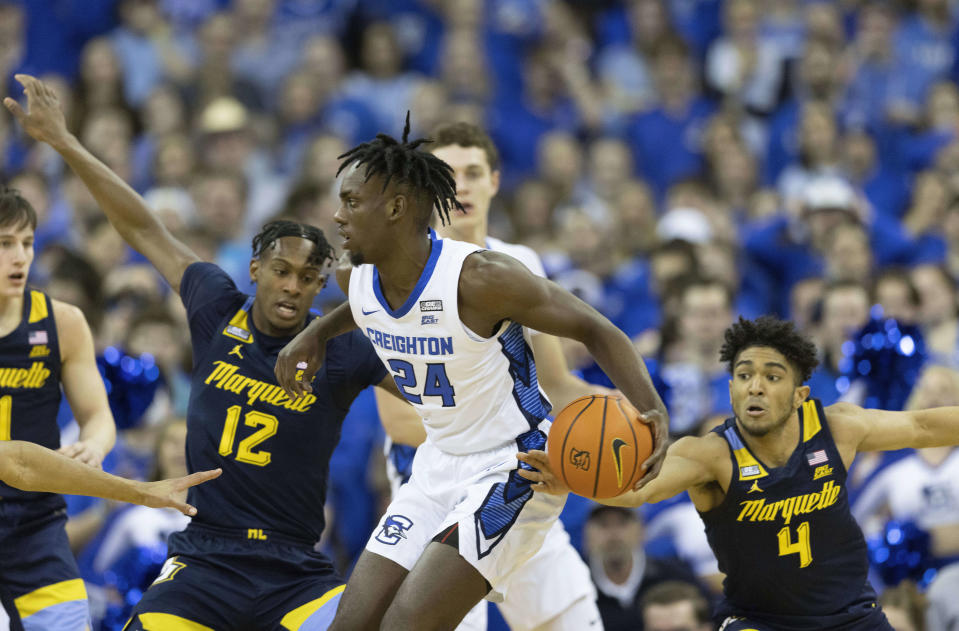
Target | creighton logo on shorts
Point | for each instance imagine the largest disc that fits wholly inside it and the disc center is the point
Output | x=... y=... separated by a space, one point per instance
x=394 y=529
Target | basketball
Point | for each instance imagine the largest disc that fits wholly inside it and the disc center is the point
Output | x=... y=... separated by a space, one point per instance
x=597 y=445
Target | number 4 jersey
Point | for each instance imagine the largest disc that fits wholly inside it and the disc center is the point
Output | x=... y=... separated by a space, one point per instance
x=793 y=555
x=274 y=451
x=473 y=392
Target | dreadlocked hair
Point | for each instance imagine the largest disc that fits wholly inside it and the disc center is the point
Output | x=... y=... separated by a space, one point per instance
x=279 y=228
x=774 y=333
x=425 y=173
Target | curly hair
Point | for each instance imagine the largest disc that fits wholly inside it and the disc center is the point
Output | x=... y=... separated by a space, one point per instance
x=428 y=177
x=780 y=335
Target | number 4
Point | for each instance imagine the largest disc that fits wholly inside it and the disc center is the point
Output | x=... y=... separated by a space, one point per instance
x=799 y=546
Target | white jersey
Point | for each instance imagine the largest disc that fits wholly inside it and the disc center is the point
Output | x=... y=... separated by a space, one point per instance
x=521 y=253
x=474 y=393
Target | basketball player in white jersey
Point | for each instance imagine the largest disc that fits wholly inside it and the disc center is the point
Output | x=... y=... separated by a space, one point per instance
x=556 y=592
x=449 y=320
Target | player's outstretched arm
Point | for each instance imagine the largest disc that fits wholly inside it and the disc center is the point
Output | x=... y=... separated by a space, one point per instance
x=685 y=467
x=303 y=355
x=496 y=287
x=858 y=429
x=30 y=467
x=43 y=120
x=84 y=387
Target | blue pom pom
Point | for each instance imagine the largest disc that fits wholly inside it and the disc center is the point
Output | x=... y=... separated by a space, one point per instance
x=887 y=357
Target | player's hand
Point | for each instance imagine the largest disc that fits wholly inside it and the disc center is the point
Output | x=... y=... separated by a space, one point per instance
x=542 y=477
x=43 y=119
x=163 y=493
x=85 y=452
x=299 y=360
x=660 y=426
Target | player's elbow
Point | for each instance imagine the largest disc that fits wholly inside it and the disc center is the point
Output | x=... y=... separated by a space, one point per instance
x=14 y=468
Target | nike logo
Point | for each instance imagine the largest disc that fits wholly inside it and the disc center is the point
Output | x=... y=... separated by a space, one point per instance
x=365 y=312
x=618 y=444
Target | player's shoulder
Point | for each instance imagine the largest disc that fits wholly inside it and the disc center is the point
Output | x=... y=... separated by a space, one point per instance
x=847 y=422
x=68 y=317
x=490 y=266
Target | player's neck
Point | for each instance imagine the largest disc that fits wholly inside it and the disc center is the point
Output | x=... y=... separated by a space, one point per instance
x=402 y=267
x=775 y=447
x=11 y=310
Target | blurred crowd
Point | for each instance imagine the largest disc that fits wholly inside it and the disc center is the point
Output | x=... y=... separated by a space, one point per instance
x=676 y=163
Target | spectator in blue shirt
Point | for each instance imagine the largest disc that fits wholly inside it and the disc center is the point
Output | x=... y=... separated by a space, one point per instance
x=667 y=139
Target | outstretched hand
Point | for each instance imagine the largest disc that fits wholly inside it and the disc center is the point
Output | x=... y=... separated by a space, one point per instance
x=659 y=425
x=43 y=119
x=542 y=477
x=163 y=493
x=299 y=360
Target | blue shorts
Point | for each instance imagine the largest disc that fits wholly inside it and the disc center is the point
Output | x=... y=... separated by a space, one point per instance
x=224 y=581
x=40 y=584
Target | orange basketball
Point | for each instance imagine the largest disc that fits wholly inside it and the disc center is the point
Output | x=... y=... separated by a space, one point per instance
x=597 y=445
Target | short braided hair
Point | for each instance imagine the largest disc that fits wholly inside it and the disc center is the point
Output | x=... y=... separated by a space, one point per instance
x=277 y=229
x=424 y=173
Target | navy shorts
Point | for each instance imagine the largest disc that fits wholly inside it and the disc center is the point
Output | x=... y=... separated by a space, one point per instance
x=40 y=585
x=225 y=582
x=869 y=618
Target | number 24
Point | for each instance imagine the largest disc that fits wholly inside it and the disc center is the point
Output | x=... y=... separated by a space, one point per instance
x=437 y=383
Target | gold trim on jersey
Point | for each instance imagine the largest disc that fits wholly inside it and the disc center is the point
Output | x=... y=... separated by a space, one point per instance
x=239 y=326
x=810 y=420
x=749 y=467
x=38 y=307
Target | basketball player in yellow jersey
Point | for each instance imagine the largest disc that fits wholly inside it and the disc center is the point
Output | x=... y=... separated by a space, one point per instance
x=770 y=486
x=559 y=593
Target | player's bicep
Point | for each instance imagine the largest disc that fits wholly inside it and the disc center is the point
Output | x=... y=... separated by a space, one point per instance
x=856 y=429
x=167 y=254
x=79 y=374
x=501 y=283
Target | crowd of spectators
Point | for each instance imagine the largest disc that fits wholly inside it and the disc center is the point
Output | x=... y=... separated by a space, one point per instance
x=676 y=163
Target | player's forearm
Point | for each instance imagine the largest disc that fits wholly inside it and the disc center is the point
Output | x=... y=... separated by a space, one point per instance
x=569 y=388
x=125 y=209
x=619 y=359
x=30 y=467
x=336 y=322
x=936 y=427
x=100 y=430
